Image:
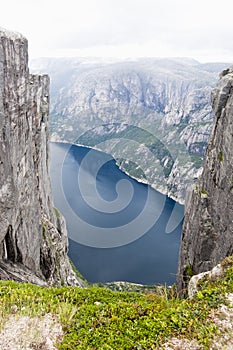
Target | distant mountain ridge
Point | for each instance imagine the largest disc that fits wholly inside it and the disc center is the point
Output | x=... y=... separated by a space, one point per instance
x=169 y=98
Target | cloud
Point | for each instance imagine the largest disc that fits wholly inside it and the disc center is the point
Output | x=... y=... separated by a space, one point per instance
x=162 y=27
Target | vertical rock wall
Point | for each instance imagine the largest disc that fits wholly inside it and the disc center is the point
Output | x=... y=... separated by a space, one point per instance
x=33 y=240
x=208 y=227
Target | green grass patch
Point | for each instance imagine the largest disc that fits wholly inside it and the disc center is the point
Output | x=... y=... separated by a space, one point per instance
x=98 y=318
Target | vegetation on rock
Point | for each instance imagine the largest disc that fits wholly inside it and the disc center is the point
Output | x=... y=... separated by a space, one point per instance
x=98 y=318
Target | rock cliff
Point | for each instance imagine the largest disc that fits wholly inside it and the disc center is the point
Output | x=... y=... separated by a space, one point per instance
x=92 y=100
x=208 y=227
x=33 y=239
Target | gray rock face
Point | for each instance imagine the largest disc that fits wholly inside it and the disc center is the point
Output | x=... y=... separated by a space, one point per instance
x=33 y=240
x=169 y=98
x=208 y=226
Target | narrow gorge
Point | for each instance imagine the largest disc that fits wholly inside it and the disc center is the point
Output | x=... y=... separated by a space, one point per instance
x=33 y=236
x=153 y=115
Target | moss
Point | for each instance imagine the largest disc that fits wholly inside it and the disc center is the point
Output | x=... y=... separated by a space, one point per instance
x=57 y=212
x=220 y=157
x=44 y=230
x=62 y=283
x=203 y=191
x=189 y=271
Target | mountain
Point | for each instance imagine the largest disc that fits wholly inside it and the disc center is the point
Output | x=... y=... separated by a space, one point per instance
x=208 y=227
x=153 y=115
x=33 y=237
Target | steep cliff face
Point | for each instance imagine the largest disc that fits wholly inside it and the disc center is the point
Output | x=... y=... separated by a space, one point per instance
x=208 y=226
x=33 y=240
x=170 y=98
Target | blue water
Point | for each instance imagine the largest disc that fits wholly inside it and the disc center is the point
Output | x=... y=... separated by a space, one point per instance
x=119 y=229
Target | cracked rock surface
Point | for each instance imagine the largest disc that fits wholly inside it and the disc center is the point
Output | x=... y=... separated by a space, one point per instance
x=208 y=226
x=33 y=240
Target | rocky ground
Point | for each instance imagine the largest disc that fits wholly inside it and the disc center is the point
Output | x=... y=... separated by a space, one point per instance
x=31 y=333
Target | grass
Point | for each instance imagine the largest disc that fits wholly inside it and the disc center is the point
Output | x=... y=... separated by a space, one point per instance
x=98 y=318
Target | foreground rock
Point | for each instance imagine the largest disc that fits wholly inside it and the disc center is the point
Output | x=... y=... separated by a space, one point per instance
x=33 y=240
x=208 y=226
x=30 y=333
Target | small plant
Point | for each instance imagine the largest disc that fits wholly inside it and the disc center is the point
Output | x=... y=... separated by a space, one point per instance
x=189 y=270
x=203 y=191
x=220 y=157
x=57 y=212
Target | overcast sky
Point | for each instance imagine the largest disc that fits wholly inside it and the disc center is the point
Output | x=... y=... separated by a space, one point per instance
x=202 y=29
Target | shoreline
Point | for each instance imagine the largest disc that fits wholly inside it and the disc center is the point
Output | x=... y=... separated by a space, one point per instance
x=160 y=190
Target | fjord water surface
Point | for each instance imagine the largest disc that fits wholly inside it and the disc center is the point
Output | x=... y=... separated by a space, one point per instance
x=103 y=243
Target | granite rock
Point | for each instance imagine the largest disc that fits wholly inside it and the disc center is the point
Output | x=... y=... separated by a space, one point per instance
x=33 y=240
x=208 y=226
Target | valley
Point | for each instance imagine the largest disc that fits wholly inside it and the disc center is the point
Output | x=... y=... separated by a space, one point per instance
x=152 y=115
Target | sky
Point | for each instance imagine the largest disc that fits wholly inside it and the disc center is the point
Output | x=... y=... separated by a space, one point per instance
x=201 y=29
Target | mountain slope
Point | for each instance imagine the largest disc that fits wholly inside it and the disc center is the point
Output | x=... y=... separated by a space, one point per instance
x=169 y=99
